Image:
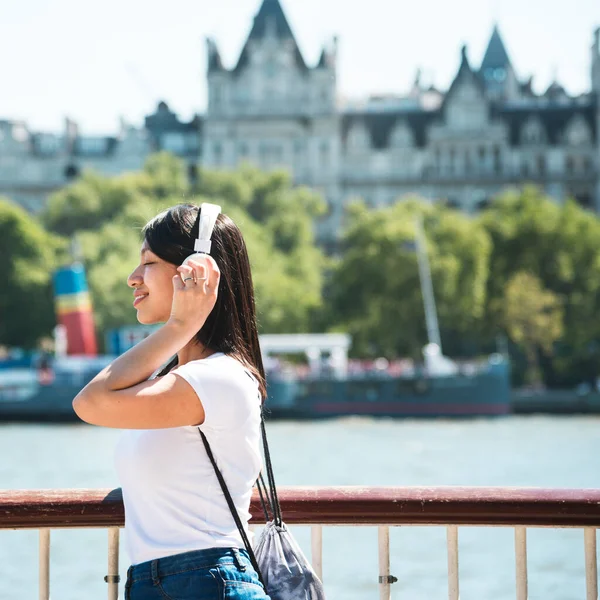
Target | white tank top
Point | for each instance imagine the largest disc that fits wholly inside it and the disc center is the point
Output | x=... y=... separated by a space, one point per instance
x=173 y=502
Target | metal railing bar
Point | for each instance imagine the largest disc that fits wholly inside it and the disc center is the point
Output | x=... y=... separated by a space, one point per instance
x=44 y=564
x=112 y=578
x=591 y=566
x=385 y=579
x=452 y=541
x=333 y=506
x=316 y=547
x=521 y=562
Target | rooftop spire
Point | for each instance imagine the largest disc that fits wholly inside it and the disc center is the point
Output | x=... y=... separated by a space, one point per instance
x=270 y=21
x=496 y=56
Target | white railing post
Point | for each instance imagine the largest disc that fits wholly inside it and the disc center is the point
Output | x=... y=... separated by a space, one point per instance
x=385 y=578
x=452 y=541
x=44 y=560
x=591 y=567
x=112 y=577
x=521 y=562
x=316 y=547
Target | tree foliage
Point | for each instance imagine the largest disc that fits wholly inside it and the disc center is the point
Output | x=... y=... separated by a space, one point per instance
x=375 y=289
x=505 y=271
x=533 y=317
x=106 y=215
x=29 y=256
x=559 y=244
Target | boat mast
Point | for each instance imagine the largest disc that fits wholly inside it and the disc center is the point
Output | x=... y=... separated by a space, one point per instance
x=431 y=320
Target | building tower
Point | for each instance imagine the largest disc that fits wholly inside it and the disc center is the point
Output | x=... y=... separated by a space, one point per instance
x=273 y=110
x=496 y=70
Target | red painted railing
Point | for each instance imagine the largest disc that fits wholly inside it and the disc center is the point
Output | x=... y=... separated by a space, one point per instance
x=333 y=506
x=383 y=507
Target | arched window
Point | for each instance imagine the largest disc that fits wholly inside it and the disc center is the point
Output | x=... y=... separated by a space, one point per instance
x=578 y=132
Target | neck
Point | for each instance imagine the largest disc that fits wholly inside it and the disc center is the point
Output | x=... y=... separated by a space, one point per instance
x=193 y=351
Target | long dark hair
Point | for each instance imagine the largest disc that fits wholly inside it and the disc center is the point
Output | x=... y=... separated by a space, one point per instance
x=231 y=326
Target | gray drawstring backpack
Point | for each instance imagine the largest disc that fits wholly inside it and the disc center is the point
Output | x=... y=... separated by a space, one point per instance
x=281 y=565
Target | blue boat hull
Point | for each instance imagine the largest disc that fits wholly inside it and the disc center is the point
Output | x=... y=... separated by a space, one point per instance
x=485 y=393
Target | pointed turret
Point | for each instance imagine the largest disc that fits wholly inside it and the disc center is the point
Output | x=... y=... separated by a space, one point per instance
x=270 y=21
x=328 y=55
x=465 y=72
x=466 y=78
x=496 y=56
x=497 y=71
x=213 y=55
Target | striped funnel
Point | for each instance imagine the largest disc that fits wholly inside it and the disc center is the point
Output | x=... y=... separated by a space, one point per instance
x=74 y=309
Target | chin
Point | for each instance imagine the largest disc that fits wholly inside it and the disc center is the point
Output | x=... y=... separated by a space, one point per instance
x=149 y=319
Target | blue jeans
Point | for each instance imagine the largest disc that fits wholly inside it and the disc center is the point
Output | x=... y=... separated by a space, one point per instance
x=212 y=574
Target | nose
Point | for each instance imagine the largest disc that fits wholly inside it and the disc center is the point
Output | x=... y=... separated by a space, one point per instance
x=135 y=278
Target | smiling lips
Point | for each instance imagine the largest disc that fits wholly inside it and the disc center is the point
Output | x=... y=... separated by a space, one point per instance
x=139 y=298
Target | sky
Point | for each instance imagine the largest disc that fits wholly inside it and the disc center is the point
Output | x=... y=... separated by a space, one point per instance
x=96 y=62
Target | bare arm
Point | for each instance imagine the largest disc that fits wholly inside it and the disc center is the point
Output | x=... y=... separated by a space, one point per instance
x=120 y=395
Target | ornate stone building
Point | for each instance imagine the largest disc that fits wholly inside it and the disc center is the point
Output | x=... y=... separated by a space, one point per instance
x=488 y=131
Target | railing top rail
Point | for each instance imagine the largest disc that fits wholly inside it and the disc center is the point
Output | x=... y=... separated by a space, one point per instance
x=333 y=506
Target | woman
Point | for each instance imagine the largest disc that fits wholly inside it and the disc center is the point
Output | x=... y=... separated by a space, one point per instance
x=182 y=540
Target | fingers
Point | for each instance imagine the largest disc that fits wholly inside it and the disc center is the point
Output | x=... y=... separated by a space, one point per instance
x=206 y=272
x=187 y=272
x=178 y=283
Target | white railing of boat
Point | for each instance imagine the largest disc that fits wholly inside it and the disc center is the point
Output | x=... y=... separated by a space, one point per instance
x=383 y=508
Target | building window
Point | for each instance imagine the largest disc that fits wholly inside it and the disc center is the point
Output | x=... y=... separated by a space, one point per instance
x=358 y=138
x=541 y=165
x=243 y=151
x=578 y=132
x=570 y=165
x=497 y=160
x=299 y=149
x=271 y=154
x=324 y=155
x=533 y=133
x=48 y=144
x=468 y=164
x=174 y=142
x=92 y=145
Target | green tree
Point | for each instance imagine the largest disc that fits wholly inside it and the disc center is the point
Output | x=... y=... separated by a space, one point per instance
x=533 y=317
x=559 y=244
x=277 y=220
x=107 y=213
x=94 y=199
x=375 y=289
x=29 y=258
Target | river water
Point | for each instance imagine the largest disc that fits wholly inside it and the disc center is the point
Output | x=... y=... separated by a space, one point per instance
x=513 y=451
